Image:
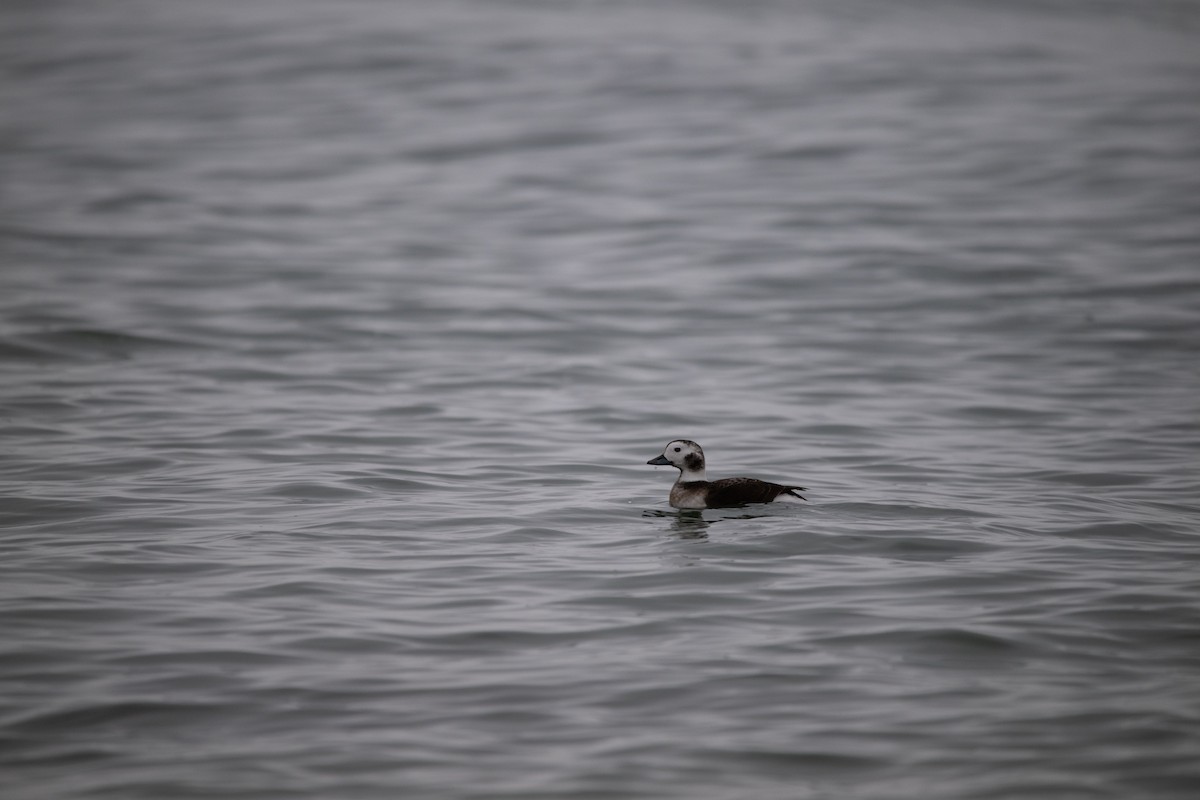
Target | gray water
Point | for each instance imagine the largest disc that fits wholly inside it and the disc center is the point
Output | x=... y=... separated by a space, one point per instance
x=334 y=338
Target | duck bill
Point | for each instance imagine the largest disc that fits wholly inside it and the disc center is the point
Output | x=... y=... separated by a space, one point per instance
x=659 y=461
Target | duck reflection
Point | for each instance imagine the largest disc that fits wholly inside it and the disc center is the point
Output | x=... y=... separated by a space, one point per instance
x=690 y=523
x=686 y=524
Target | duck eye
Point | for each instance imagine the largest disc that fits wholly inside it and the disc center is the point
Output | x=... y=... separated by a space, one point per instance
x=677 y=449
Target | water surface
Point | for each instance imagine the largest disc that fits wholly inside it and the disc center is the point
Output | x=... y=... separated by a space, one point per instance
x=334 y=339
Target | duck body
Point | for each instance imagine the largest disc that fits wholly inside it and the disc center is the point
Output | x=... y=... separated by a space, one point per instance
x=693 y=491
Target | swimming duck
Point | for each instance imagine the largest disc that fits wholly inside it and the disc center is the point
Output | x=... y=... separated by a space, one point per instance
x=691 y=490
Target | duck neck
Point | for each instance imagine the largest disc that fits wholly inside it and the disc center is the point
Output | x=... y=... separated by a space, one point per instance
x=687 y=475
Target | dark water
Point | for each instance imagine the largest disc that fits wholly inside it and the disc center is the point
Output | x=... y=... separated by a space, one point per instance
x=334 y=338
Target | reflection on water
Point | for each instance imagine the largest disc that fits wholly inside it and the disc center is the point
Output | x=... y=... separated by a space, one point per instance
x=692 y=523
x=686 y=523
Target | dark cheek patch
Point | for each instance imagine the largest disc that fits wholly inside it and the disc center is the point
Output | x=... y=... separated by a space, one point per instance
x=693 y=462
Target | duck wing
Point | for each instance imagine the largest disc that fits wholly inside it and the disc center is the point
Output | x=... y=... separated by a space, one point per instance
x=729 y=492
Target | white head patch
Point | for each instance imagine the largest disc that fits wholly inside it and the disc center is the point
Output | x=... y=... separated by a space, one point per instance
x=687 y=456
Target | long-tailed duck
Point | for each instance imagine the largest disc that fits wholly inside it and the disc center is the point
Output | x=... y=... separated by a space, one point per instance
x=691 y=490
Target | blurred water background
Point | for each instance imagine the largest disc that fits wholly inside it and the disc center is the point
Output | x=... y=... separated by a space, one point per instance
x=334 y=338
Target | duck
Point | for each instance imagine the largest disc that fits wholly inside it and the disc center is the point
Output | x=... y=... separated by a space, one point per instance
x=693 y=491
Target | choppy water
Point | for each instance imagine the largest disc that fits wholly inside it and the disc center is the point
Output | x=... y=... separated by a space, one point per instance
x=335 y=338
